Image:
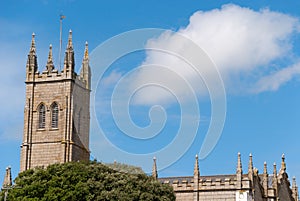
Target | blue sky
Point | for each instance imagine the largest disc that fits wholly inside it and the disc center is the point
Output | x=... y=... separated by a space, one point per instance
x=254 y=46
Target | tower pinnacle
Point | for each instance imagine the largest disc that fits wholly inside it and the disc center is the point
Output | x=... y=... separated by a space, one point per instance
x=85 y=73
x=283 y=165
x=50 y=65
x=239 y=164
x=154 y=169
x=86 y=51
x=294 y=182
x=7 y=179
x=275 y=179
x=265 y=179
x=196 y=167
x=69 y=61
x=70 y=43
x=239 y=172
x=32 y=47
x=295 y=190
x=250 y=168
x=31 y=65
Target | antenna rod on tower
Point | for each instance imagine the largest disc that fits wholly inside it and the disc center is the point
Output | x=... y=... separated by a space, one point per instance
x=61 y=17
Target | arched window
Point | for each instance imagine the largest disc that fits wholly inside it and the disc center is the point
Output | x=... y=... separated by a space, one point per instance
x=42 y=116
x=54 y=115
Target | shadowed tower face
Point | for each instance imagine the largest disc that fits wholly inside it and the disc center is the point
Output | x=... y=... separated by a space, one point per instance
x=56 y=115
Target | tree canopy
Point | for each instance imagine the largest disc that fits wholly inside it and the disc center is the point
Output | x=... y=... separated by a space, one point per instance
x=120 y=167
x=87 y=181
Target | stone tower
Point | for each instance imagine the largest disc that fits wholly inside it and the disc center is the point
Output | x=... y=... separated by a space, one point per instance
x=56 y=115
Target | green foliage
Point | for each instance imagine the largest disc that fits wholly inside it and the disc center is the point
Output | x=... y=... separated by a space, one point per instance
x=120 y=167
x=87 y=181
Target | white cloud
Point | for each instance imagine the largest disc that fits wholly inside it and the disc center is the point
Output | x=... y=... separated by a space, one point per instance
x=273 y=81
x=239 y=38
x=113 y=77
x=243 y=44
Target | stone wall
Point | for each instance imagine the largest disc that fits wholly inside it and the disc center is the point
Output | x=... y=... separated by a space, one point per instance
x=217 y=188
x=68 y=142
x=44 y=146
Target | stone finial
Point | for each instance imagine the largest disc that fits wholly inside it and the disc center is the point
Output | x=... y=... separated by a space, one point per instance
x=50 y=65
x=86 y=51
x=196 y=167
x=265 y=179
x=70 y=44
x=250 y=168
x=32 y=50
x=50 y=56
x=295 y=190
x=154 y=169
x=239 y=172
x=32 y=47
x=7 y=179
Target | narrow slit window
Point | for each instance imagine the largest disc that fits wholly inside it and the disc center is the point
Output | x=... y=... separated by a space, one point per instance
x=54 y=115
x=42 y=116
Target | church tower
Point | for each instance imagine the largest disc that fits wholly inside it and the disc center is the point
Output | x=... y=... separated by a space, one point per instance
x=56 y=114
